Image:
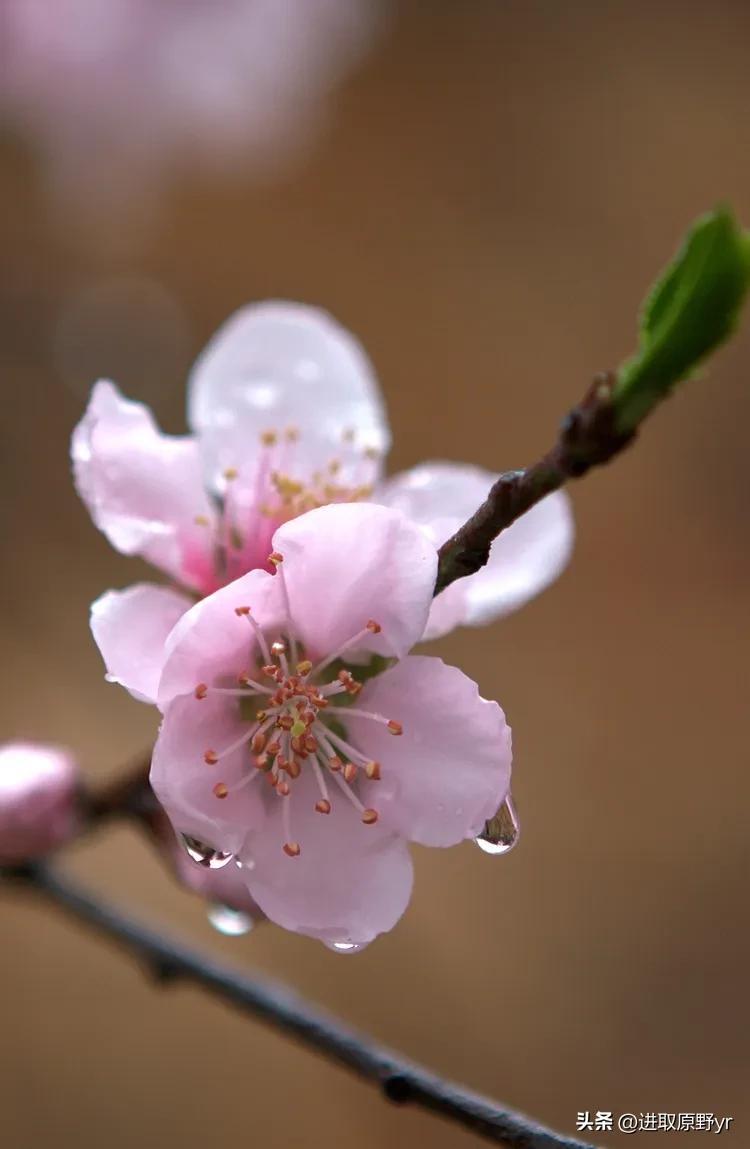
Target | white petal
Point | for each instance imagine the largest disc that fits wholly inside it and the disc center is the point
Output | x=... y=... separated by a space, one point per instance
x=274 y=365
x=130 y=627
x=348 y=563
x=525 y=559
x=143 y=489
x=449 y=770
x=350 y=882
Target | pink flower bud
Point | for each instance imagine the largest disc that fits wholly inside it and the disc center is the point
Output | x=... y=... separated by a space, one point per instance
x=37 y=799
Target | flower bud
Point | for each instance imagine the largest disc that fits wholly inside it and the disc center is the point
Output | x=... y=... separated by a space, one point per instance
x=38 y=786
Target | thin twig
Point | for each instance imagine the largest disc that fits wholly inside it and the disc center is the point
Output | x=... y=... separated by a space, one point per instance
x=587 y=437
x=400 y=1080
x=127 y=795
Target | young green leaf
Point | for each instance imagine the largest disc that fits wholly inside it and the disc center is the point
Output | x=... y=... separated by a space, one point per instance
x=689 y=312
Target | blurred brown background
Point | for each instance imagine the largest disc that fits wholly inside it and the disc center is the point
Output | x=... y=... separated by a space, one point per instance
x=499 y=184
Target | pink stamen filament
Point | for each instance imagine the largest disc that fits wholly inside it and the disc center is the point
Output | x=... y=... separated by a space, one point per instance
x=356 y=713
x=294 y=651
x=239 y=692
x=348 y=749
x=320 y=778
x=350 y=642
x=258 y=634
x=296 y=722
x=332 y=688
x=246 y=737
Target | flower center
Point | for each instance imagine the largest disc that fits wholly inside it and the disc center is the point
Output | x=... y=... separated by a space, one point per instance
x=273 y=488
x=296 y=713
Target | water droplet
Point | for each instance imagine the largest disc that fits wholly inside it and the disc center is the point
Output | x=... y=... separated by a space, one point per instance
x=205 y=855
x=346 y=947
x=231 y=923
x=501 y=832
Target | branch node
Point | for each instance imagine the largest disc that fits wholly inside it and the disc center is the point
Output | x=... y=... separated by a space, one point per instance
x=398 y=1088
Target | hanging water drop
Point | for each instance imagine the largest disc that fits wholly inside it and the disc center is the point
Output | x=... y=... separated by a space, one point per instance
x=204 y=855
x=346 y=947
x=501 y=832
x=231 y=923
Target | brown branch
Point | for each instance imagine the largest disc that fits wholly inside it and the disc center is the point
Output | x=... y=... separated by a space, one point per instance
x=588 y=437
x=128 y=795
x=400 y=1080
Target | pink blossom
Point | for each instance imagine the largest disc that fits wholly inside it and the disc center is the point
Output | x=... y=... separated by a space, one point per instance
x=286 y=415
x=38 y=787
x=115 y=93
x=300 y=736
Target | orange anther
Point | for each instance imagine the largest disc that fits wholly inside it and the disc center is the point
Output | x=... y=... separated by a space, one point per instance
x=291 y=849
x=201 y=690
x=350 y=772
x=323 y=806
x=369 y=817
x=395 y=727
x=372 y=770
x=375 y=627
x=221 y=790
x=210 y=757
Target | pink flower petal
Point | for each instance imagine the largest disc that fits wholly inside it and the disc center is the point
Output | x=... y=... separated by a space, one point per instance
x=143 y=489
x=130 y=627
x=346 y=564
x=450 y=769
x=349 y=883
x=278 y=364
x=524 y=560
x=211 y=642
x=184 y=783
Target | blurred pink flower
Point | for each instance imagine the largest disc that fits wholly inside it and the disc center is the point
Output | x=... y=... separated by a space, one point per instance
x=115 y=91
x=303 y=679
x=287 y=415
x=38 y=788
